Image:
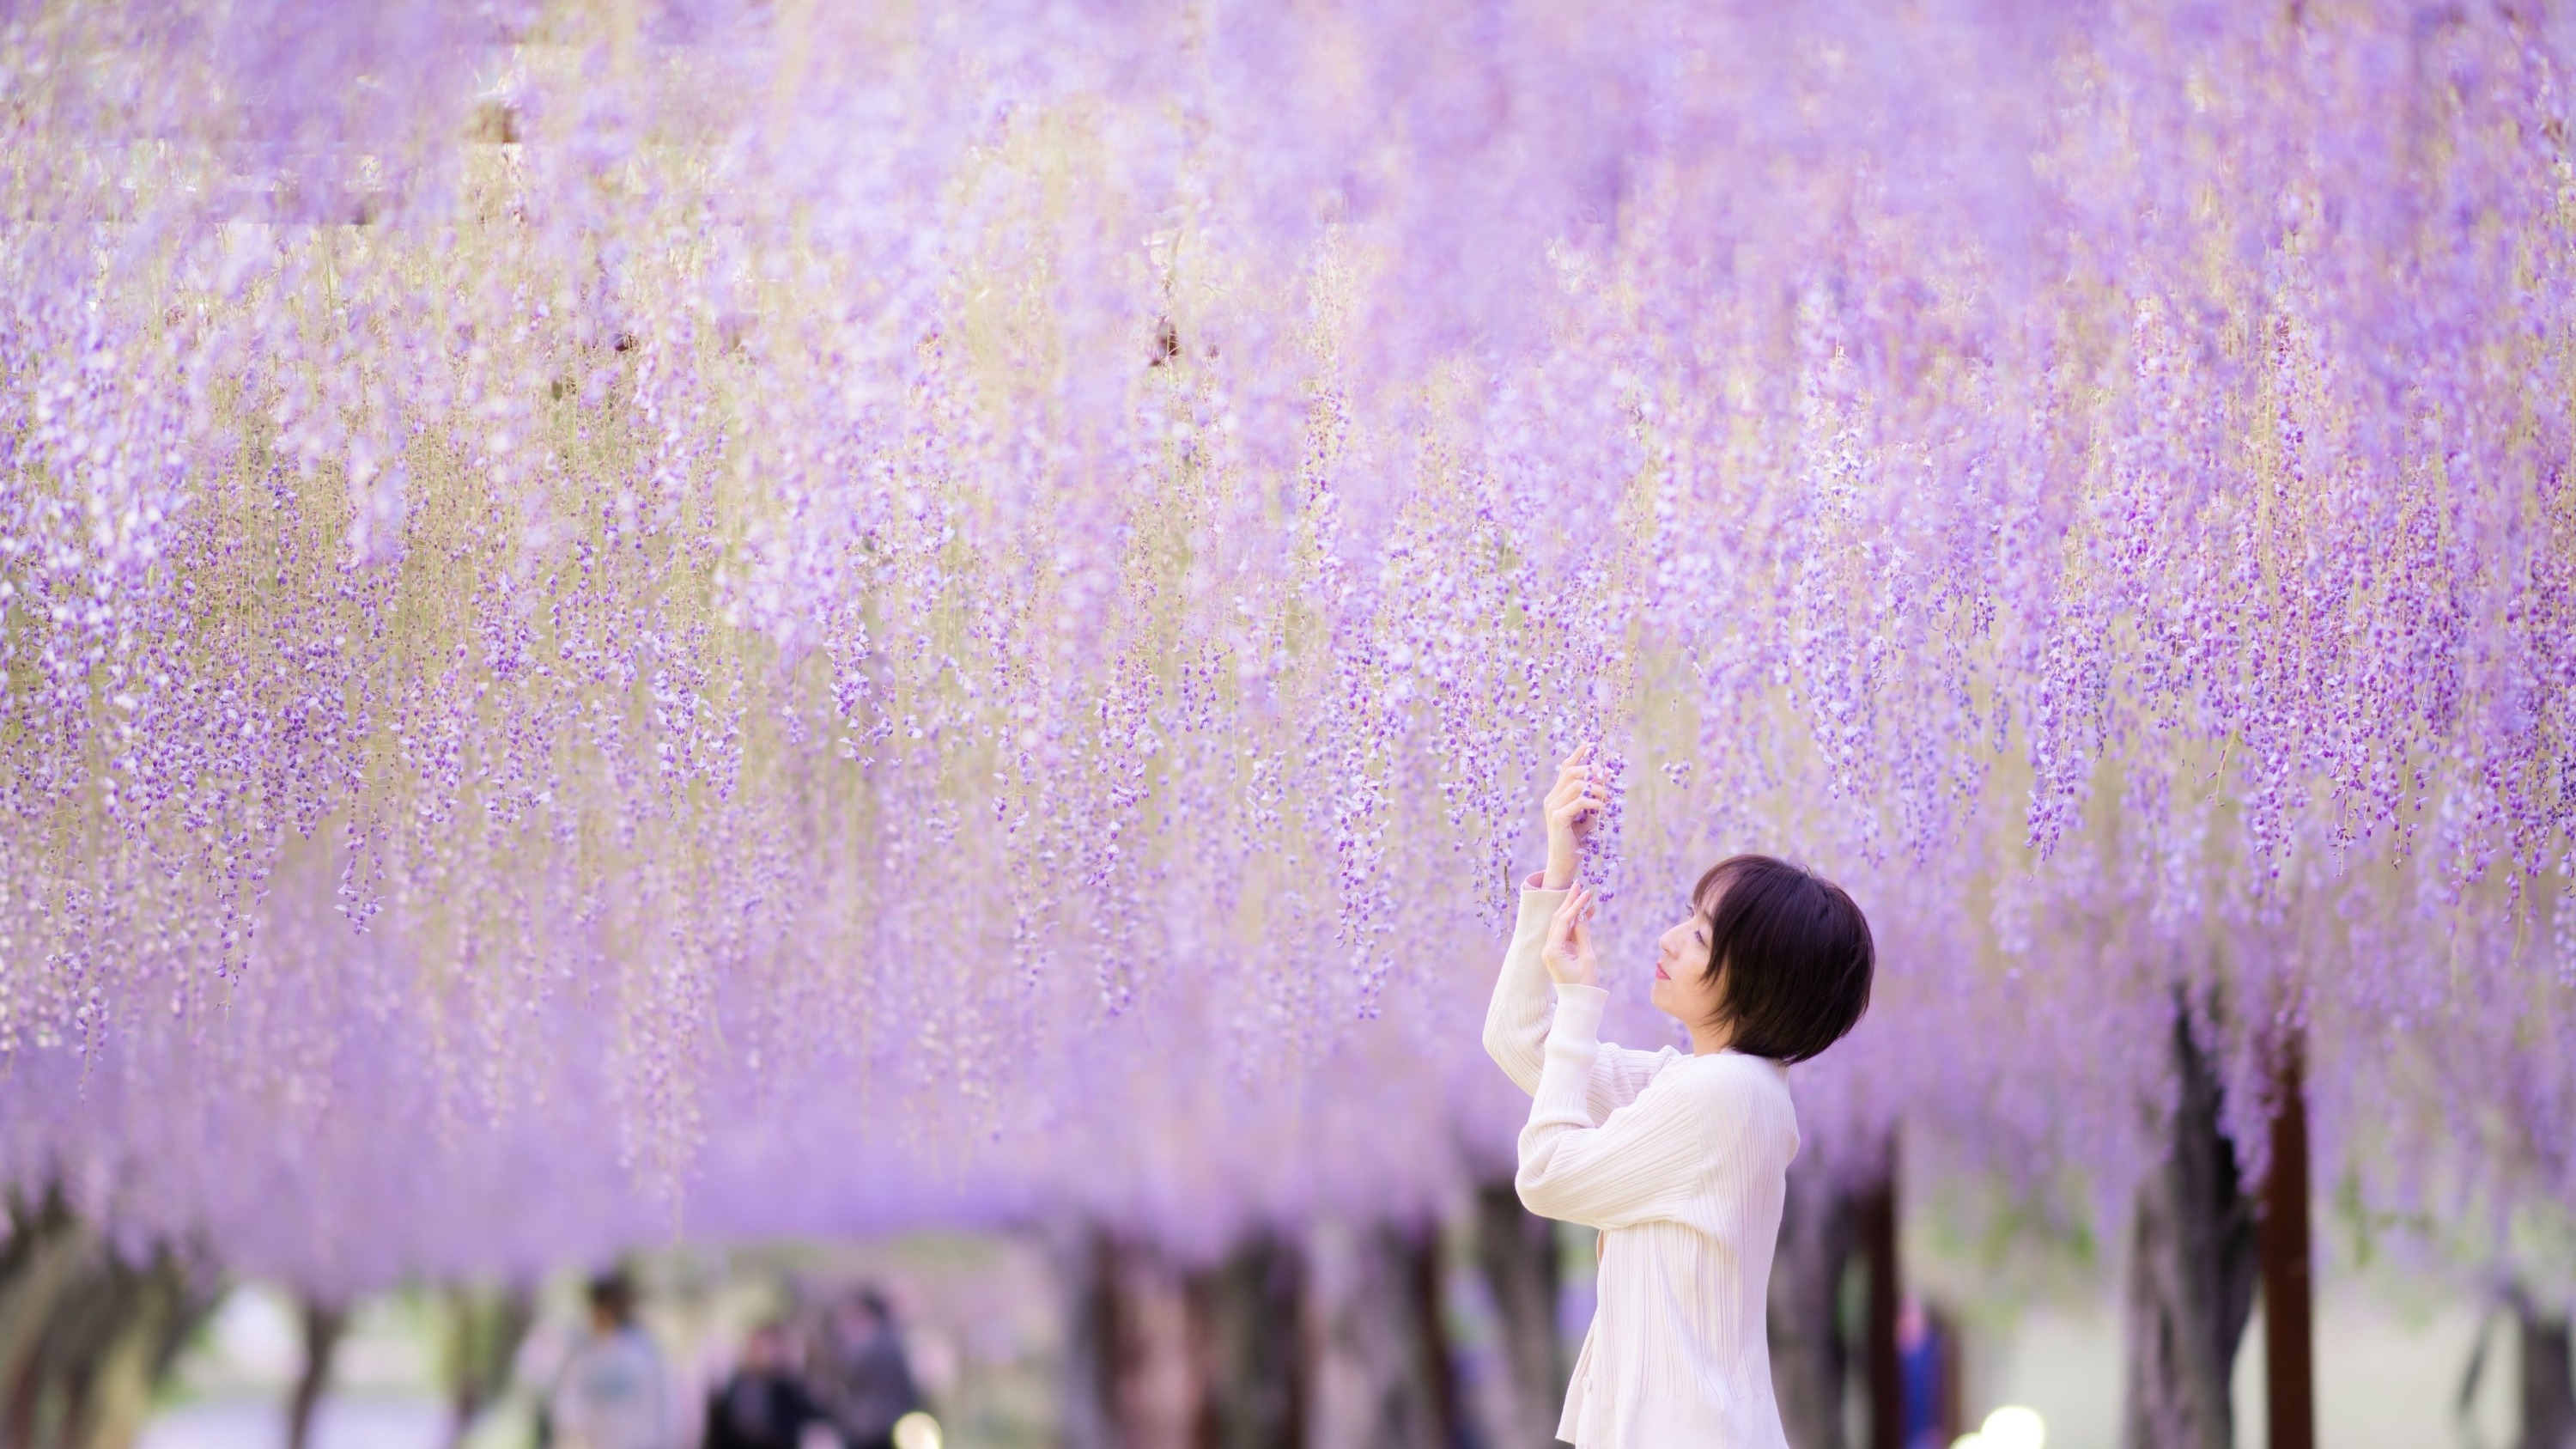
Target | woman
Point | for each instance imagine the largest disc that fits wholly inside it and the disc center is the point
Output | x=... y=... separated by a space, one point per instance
x=1680 y=1160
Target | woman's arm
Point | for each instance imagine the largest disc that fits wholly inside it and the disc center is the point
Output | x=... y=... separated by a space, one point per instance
x=1557 y=946
x=1516 y=1020
x=1642 y=1162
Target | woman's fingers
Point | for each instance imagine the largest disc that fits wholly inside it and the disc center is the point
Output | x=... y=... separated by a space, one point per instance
x=1575 y=766
x=1568 y=925
x=1577 y=779
x=1578 y=904
x=1569 y=938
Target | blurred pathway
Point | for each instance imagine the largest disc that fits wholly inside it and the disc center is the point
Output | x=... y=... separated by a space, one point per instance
x=342 y=1422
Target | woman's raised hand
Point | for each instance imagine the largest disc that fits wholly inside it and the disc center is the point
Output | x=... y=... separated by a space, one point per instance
x=1573 y=803
x=1568 y=952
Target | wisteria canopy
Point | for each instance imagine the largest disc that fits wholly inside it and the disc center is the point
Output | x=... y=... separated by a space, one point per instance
x=805 y=616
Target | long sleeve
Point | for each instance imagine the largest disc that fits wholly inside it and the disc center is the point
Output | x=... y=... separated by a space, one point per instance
x=1516 y=1020
x=1645 y=1161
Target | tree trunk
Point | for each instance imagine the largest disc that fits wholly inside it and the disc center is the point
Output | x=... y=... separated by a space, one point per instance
x=1810 y=1362
x=43 y=1265
x=2548 y=1394
x=1246 y=1315
x=1086 y=1265
x=1875 y=1212
x=484 y=1330
x=1381 y=1379
x=85 y=1336
x=155 y=1308
x=2191 y=1272
x=1516 y=1249
x=1419 y=1246
x=323 y=1324
x=2289 y=1386
x=1131 y=1380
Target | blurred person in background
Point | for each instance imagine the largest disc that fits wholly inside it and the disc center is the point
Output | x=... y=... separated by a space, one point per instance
x=1927 y=1364
x=612 y=1392
x=860 y=1372
x=765 y=1404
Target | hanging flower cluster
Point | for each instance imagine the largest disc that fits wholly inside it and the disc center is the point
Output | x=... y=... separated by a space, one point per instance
x=784 y=617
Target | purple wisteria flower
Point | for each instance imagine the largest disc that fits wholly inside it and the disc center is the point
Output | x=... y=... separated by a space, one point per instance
x=830 y=621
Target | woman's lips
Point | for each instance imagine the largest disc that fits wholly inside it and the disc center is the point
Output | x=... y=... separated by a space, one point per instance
x=1660 y=973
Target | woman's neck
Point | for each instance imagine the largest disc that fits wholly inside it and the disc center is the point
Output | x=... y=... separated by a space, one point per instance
x=1708 y=1039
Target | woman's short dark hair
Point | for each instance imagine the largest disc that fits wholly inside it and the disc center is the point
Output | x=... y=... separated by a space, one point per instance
x=1792 y=954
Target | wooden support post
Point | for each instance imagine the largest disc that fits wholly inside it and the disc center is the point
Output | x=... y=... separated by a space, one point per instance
x=2281 y=1231
x=1876 y=1211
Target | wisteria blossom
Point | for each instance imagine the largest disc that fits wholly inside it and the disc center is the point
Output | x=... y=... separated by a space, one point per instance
x=736 y=618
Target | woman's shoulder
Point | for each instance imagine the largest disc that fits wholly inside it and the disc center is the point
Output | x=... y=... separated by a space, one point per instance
x=1747 y=1083
x=1728 y=1097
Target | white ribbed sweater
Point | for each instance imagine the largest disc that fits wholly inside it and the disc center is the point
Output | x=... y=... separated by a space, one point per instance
x=1681 y=1162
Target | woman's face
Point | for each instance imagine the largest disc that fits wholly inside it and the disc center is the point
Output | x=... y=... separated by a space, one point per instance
x=1684 y=988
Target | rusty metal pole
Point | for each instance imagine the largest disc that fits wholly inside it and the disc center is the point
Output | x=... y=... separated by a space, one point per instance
x=2289 y=1390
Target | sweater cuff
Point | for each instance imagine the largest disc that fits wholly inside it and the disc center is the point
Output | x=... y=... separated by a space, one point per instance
x=1537 y=904
x=1578 y=1017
